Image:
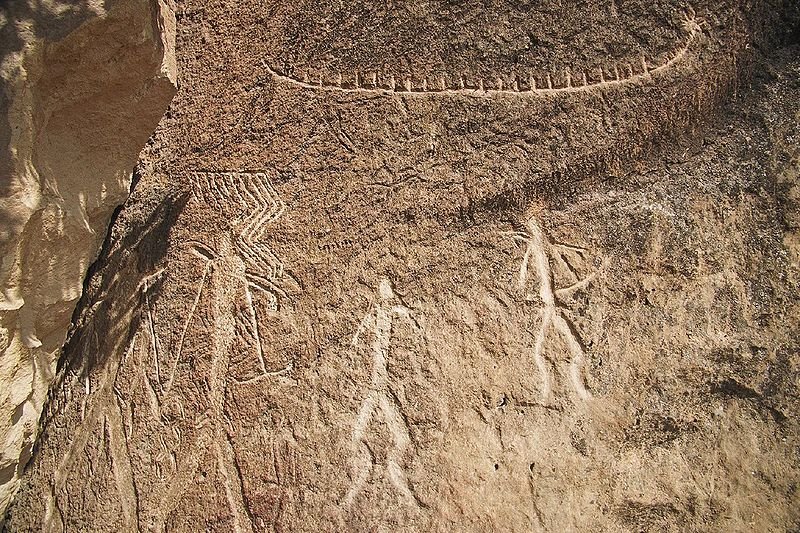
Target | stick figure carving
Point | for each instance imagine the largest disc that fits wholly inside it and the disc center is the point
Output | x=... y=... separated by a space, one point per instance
x=249 y=283
x=237 y=265
x=381 y=399
x=255 y=203
x=223 y=271
x=539 y=250
x=252 y=202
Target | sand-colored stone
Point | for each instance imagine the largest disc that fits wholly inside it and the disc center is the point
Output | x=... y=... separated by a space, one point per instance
x=349 y=294
x=83 y=86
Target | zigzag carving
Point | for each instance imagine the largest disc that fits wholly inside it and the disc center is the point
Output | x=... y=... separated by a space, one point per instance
x=252 y=202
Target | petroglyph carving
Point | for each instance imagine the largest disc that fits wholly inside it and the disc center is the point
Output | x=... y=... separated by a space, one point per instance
x=285 y=475
x=521 y=85
x=380 y=399
x=252 y=203
x=249 y=282
x=224 y=279
x=101 y=412
x=144 y=287
x=250 y=200
x=538 y=253
x=224 y=271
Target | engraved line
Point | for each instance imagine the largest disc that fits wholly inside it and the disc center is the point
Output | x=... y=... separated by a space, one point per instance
x=566 y=291
x=152 y=327
x=121 y=465
x=254 y=323
x=155 y=407
x=407 y=90
x=380 y=320
x=192 y=310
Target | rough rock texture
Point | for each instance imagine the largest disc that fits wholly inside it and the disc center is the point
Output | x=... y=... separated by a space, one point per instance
x=84 y=85
x=364 y=285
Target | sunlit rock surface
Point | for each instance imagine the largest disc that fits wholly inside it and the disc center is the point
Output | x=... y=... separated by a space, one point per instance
x=83 y=85
x=422 y=266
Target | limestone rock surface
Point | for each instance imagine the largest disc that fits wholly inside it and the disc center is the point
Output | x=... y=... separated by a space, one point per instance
x=447 y=266
x=82 y=86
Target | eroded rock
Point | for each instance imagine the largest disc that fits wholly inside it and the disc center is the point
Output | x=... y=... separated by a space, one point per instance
x=358 y=307
x=84 y=85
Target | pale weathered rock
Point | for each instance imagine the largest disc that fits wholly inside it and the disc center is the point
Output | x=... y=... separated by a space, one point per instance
x=83 y=86
x=373 y=280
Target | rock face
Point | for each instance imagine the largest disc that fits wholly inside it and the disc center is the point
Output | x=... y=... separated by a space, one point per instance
x=447 y=266
x=84 y=84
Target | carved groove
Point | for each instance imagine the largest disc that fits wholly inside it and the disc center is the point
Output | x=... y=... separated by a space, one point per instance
x=380 y=399
x=521 y=85
x=539 y=251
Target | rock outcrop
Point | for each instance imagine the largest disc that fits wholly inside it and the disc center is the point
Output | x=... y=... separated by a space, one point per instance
x=349 y=294
x=83 y=86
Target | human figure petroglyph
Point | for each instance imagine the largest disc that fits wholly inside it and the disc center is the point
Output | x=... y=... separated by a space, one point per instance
x=237 y=266
x=539 y=251
x=252 y=203
x=381 y=399
x=249 y=283
x=102 y=409
x=223 y=283
x=224 y=273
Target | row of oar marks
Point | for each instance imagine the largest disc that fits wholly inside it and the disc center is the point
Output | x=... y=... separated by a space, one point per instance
x=561 y=80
